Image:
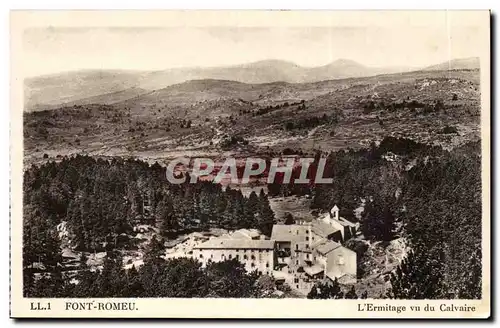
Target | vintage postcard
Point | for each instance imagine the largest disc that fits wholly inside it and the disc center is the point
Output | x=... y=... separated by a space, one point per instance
x=250 y=164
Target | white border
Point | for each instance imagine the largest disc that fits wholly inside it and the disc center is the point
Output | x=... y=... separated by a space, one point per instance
x=147 y=4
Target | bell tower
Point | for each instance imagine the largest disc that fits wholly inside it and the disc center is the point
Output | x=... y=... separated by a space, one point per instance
x=334 y=213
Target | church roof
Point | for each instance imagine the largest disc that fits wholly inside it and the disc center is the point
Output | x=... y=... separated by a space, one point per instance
x=346 y=222
x=323 y=229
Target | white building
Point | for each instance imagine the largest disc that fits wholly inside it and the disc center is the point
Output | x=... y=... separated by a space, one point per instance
x=255 y=254
x=313 y=251
x=299 y=253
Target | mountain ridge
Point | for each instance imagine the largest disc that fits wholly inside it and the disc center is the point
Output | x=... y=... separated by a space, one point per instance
x=51 y=90
x=458 y=63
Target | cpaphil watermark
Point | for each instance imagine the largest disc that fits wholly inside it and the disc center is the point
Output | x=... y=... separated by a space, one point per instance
x=242 y=171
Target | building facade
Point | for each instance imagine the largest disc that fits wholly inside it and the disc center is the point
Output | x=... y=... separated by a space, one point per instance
x=312 y=251
x=255 y=255
x=298 y=254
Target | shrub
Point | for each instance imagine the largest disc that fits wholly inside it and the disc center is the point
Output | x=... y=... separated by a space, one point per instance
x=449 y=130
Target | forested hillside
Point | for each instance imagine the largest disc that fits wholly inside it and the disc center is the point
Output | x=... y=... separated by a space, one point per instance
x=430 y=196
x=100 y=201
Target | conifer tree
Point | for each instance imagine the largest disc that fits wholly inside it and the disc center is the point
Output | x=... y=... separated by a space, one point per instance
x=351 y=294
x=419 y=276
x=326 y=290
x=472 y=278
x=378 y=222
x=154 y=250
x=266 y=215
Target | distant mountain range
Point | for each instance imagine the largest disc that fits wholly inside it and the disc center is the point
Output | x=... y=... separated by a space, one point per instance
x=110 y=86
x=462 y=63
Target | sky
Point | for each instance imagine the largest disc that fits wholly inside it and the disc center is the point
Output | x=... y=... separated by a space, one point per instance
x=49 y=50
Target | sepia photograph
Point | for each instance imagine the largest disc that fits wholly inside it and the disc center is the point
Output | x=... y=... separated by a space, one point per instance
x=331 y=158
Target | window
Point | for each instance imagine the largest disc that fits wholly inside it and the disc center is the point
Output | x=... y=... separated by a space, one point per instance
x=230 y=256
x=307 y=238
x=307 y=256
x=253 y=257
x=296 y=280
x=212 y=256
x=253 y=265
x=267 y=265
x=297 y=232
x=307 y=246
x=340 y=260
x=297 y=262
x=201 y=256
x=237 y=257
x=296 y=247
x=245 y=257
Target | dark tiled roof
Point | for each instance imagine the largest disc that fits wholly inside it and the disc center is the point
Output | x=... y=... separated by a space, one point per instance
x=343 y=279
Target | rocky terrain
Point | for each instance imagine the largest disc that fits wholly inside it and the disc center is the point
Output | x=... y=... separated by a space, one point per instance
x=220 y=117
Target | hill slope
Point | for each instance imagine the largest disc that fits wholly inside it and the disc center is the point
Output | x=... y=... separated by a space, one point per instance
x=46 y=91
x=462 y=63
x=110 y=86
x=70 y=87
x=192 y=118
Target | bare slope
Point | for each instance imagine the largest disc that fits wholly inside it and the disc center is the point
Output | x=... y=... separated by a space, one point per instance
x=194 y=118
x=456 y=64
x=70 y=87
x=49 y=90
